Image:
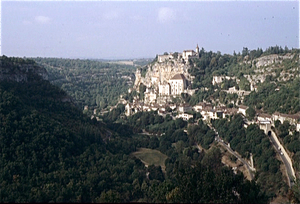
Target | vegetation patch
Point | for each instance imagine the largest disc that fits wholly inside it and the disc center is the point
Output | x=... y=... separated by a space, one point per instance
x=151 y=157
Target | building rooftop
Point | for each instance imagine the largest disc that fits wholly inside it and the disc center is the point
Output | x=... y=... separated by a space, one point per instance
x=188 y=51
x=264 y=115
x=243 y=107
x=178 y=76
x=292 y=116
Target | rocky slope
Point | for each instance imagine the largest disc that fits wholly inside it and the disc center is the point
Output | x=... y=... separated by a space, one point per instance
x=20 y=70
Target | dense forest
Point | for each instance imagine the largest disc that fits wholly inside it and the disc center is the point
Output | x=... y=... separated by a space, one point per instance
x=253 y=140
x=89 y=82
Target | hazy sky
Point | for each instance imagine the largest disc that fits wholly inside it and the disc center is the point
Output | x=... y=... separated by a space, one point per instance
x=135 y=29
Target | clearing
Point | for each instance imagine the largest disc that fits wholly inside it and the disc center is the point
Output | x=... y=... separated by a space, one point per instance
x=151 y=156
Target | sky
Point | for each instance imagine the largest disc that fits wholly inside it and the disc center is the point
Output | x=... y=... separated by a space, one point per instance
x=143 y=29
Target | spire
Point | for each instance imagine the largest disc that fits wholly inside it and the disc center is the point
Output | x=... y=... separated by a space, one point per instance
x=197 y=49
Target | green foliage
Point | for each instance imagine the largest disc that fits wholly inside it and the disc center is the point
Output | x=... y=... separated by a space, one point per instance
x=206 y=184
x=244 y=84
x=51 y=152
x=142 y=89
x=250 y=113
x=211 y=64
x=144 y=71
x=286 y=100
x=201 y=134
x=89 y=82
x=253 y=140
x=291 y=141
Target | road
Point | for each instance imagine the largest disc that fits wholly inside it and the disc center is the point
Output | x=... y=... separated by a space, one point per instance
x=288 y=167
x=221 y=141
x=238 y=157
x=283 y=155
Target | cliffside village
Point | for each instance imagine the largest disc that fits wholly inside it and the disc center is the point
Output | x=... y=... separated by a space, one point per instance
x=169 y=77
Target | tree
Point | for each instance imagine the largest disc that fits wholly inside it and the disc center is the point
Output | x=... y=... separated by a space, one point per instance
x=201 y=184
x=168 y=118
x=180 y=123
x=142 y=89
x=155 y=172
x=110 y=197
x=250 y=113
x=245 y=51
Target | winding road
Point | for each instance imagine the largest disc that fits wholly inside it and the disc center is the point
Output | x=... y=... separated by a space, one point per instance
x=221 y=141
x=238 y=157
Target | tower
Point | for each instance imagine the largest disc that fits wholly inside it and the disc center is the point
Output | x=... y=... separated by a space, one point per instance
x=197 y=49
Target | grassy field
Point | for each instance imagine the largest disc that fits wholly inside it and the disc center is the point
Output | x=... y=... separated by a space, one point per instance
x=150 y=156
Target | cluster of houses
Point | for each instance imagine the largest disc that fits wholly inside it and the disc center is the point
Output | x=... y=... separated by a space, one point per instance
x=183 y=111
x=209 y=112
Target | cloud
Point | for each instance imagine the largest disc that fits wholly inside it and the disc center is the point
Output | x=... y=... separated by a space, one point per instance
x=166 y=15
x=42 y=19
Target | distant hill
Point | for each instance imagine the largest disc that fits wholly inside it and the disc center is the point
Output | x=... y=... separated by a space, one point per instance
x=91 y=83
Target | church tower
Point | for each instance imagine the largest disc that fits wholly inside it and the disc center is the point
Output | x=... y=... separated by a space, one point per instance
x=197 y=50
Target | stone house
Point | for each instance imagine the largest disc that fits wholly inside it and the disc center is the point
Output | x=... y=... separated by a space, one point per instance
x=184 y=108
x=242 y=109
x=184 y=116
x=178 y=84
x=164 y=89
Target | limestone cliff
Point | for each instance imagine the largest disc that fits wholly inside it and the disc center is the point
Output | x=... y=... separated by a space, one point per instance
x=161 y=72
x=20 y=70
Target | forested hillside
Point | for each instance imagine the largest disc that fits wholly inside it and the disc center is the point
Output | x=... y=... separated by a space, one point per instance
x=89 y=82
x=51 y=152
x=274 y=71
x=253 y=141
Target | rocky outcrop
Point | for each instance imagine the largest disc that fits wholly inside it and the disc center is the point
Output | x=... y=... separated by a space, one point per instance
x=270 y=59
x=271 y=65
x=20 y=70
x=161 y=72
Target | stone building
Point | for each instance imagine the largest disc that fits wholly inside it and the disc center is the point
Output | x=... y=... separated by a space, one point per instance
x=242 y=109
x=187 y=54
x=164 y=89
x=178 y=84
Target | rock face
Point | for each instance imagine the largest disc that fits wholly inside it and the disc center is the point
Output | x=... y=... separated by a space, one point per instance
x=162 y=72
x=20 y=70
x=270 y=59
